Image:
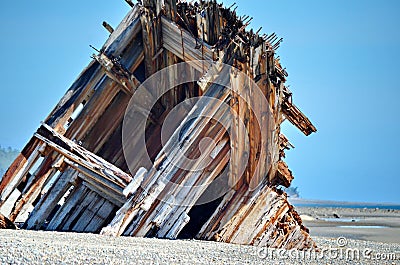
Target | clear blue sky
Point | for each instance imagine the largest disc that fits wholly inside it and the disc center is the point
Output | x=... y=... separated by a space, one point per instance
x=343 y=63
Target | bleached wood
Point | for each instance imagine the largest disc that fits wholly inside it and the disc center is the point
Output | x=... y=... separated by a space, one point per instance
x=49 y=200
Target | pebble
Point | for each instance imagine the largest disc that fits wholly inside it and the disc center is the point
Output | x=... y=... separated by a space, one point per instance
x=38 y=247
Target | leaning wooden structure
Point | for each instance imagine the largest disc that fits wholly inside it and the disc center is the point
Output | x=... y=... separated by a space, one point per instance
x=73 y=174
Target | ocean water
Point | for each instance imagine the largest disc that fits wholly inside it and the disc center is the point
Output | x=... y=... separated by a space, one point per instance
x=345 y=205
x=363 y=226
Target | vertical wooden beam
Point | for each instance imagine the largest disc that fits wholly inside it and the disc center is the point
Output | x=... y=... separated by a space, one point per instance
x=239 y=134
x=151 y=30
x=170 y=9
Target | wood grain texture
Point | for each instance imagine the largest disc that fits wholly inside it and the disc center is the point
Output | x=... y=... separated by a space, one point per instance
x=226 y=188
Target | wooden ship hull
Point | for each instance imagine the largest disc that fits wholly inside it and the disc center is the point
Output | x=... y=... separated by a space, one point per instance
x=73 y=173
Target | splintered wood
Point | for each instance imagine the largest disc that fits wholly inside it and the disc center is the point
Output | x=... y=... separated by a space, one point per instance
x=73 y=174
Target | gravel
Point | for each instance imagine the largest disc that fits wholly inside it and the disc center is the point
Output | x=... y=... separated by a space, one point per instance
x=38 y=247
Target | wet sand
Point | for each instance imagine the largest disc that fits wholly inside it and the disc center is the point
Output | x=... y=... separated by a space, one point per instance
x=378 y=225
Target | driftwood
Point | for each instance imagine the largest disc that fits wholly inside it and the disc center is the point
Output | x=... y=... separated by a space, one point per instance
x=218 y=174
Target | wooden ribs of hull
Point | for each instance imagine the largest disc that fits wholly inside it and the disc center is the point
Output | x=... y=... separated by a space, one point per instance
x=71 y=176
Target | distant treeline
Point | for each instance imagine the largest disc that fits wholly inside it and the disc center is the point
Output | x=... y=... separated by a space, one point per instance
x=7 y=156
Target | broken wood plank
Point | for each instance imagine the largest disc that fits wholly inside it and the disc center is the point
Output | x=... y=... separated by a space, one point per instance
x=231 y=148
x=49 y=200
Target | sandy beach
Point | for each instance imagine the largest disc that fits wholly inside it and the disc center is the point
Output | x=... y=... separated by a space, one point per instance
x=378 y=225
x=372 y=238
x=35 y=247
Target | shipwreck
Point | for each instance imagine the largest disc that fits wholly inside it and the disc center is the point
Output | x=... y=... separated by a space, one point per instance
x=102 y=162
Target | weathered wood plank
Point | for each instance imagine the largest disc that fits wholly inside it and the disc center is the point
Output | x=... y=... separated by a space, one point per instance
x=49 y=200
x=19 y=163
x=83 y=134
x=79 y=209
x=30 y=193
x=182 y=44
x=73 y=198
x=99 y=183
x=16 y=179
x=86 y=217
x=100 y=218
